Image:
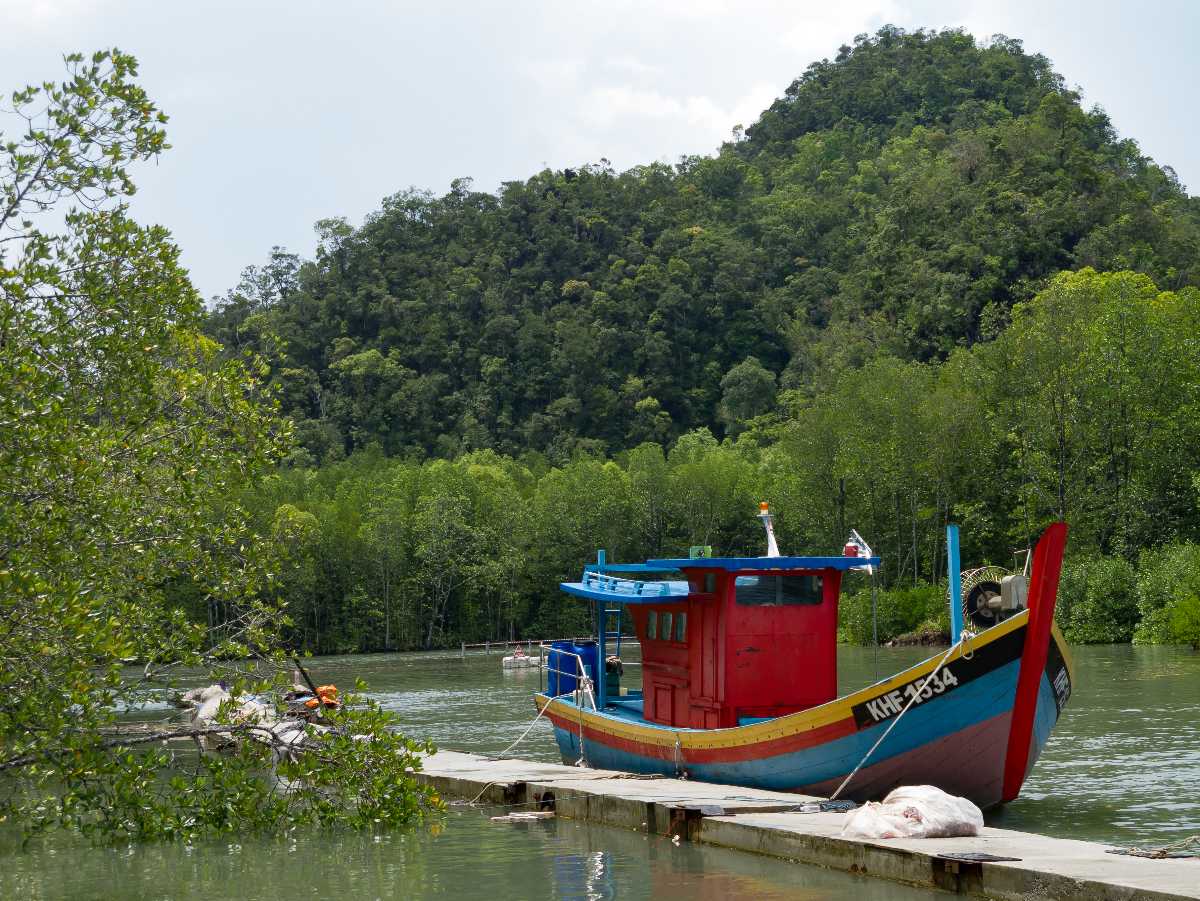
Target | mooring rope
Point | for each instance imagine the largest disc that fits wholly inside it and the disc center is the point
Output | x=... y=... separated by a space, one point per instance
x=582 y=761
x=1185 y=847
x=471 y=803
x=586 y=684
x=545 y=707
x=963 y=639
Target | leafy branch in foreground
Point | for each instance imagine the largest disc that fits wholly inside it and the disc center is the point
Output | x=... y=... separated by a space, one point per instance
x=125 y=440
x=352 y=768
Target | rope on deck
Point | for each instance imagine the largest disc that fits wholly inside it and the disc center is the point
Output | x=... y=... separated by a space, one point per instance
x=1185 y=847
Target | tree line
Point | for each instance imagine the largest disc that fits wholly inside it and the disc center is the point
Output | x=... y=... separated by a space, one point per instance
x=1083 y=408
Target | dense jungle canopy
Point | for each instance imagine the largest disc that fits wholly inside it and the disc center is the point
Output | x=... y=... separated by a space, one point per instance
x=926 y=285
x=897 y=201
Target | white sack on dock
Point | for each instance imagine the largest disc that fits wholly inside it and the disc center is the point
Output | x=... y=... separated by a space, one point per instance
x=915 y=811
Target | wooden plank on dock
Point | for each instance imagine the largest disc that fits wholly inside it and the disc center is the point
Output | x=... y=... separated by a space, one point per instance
x=773 y=823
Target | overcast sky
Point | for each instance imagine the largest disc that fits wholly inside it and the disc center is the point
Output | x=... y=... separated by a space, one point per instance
x=285 y=113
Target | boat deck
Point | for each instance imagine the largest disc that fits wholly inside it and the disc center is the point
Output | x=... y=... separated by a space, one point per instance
x=631 y=710
x=627 y=709
x=772 y=823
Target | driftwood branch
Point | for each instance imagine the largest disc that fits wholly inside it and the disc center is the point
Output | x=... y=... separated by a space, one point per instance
x=254 y=731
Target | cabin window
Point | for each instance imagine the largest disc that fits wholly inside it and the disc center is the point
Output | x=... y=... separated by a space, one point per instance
x=778 y=591
x=710 y=583
x=666 y=625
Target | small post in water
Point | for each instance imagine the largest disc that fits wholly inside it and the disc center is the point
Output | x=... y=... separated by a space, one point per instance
x=955 y=575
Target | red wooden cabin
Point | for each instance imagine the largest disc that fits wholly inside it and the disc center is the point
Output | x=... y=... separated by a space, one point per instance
x=753 y=638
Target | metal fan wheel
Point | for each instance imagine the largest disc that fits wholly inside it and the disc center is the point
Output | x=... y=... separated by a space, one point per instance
x=978 y=607
x=979 y=587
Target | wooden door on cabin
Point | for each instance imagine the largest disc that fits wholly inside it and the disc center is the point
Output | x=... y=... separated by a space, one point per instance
x=704 y=664
x=705 y=661
x=664 y=707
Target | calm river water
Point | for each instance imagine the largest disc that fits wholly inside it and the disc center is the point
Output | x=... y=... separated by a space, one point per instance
x=1122 y=767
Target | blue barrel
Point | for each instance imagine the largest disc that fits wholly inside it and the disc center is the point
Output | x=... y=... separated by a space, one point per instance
x=589 y=652
x=561 y=669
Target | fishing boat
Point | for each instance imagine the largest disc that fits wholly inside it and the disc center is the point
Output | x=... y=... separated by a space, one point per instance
x=739 y=679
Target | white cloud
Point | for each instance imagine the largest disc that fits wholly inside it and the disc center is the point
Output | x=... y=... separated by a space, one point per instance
x=747 y=110
x=817 y=30
x=690 y=9
x=41 y=14
x=603 y=107
x=557 y=74
x=682 y=72
x=633 y=66
x=606 y=107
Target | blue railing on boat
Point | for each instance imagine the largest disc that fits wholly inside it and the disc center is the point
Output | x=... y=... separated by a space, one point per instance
x=631 y=587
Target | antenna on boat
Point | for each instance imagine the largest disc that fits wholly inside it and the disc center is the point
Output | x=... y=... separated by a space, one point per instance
x=768 y=521
x=860 y=549
x=857 y=547
x=1028 y=552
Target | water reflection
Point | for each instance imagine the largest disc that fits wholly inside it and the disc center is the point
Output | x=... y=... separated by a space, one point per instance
x=470 y=858
x=586 y=877
x=1123 y=767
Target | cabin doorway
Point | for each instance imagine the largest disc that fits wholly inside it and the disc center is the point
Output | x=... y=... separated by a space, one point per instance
x=706 y=663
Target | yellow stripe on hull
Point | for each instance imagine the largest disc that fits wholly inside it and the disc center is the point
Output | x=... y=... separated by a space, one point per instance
x=793 y=723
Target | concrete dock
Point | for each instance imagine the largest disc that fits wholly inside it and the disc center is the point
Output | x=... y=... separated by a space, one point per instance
x=771 y=823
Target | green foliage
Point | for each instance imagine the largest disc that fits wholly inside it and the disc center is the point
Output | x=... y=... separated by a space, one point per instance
x=898 y=200
x=1097 y=602
x=899 y=610
x=1185 y=620
x=1096 y=383
x=427 y=554
x=1167 y=586
x=131 y=793
x=125 y=438
x=747 y=390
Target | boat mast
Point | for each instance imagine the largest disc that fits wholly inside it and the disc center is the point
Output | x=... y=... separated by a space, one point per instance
x=768 y=521
x=954 y=572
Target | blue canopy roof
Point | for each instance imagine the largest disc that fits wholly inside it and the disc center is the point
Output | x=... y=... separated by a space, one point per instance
x=734 y=564
x=599 y=586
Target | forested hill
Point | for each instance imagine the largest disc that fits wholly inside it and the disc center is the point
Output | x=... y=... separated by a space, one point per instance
x=897 y=200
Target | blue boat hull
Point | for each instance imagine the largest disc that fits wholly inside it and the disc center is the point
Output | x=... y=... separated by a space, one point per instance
x=957 y=738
